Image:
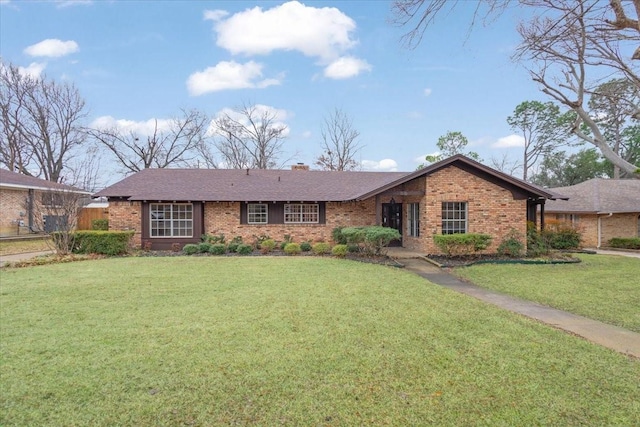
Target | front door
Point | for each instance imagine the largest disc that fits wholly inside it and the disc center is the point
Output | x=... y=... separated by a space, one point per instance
x=392 y=217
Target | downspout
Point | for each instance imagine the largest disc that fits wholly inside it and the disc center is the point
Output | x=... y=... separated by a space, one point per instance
x=30 y=209
x=600 y=229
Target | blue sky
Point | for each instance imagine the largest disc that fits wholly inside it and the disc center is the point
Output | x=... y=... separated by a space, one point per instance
x=135 y=61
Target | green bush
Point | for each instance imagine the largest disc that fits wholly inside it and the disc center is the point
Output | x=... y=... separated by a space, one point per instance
x=321 y=248
x=190 y=249
x=204 y=247
x=537 y=245
x=511 y=246
x=233 y=247
x=372 y=239
x=96 y=241
x=353 y=248
x=286 y=241
x=100 y=224
x=244 y=249
x=218 y=249
x=292 y=249
x=625 y=242
x=305 y=246
x=213 y=239
x=340 y=250
x=461 y=243
x=352 y=235
x=563 y=239
x=338 y=237
x=267 y=246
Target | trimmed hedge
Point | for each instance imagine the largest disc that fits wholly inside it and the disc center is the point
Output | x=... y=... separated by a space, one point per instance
x=625 y=242
x=462 y=243
x=373 y=239
x=100 y=224
x=99 y=241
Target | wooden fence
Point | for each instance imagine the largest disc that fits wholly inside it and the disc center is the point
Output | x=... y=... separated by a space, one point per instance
x=87 y=215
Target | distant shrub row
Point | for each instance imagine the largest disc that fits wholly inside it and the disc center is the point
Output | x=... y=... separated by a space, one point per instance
x=95 y=241
x=625 y=242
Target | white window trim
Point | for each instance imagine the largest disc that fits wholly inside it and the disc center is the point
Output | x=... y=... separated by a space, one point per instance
x=465 y=220
x=301 y=213
x=266 y=214
x=171 y=221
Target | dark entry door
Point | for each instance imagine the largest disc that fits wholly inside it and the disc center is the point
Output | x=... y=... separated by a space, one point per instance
x=392 y=217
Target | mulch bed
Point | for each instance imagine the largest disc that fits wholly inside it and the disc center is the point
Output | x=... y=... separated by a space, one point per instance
x=466 y=260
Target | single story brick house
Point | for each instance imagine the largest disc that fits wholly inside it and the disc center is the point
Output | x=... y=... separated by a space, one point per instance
x=22 y=197
x=455 y=195
x=600 y=208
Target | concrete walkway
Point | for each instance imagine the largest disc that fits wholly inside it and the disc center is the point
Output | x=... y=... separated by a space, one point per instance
x=613 y=337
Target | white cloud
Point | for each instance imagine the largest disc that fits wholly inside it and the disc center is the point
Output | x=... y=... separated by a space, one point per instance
x=346 y=67
x=427 y=91
x=229 y=75
x=388 y=165
x=509 y=142
x=52 y=48
x=67 y=3
x=143 y=128
x=277 y=115
x=34 y=69
x=316 y=32
x=215 y=15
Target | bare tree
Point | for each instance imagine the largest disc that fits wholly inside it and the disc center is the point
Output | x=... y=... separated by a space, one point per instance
x=171 y=143
x=339 y=143
x=249 y=137
x=505 y=164
x=41 y=123
x=566 y=47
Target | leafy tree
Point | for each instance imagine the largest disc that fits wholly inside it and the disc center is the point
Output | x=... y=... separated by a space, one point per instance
x=250 y=137
x=339 y=143
x=566 y=46
x=170 y=144
x=41 y=124
x=560 y=170
x=451 y=144
x=613 y=105
x=542 y=130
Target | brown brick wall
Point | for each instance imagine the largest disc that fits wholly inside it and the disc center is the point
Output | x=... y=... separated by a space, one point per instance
x=12 y=202
x=491 y=209
x=224 y=218
x=124 y=215
x=617 y=225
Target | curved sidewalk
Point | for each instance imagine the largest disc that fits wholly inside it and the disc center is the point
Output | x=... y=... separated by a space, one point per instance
x=613 y=337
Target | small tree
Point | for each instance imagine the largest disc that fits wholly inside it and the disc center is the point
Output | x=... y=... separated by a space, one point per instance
x=451 y=144
x=339 y=143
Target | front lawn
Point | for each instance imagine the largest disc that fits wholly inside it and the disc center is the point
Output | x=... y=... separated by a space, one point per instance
x=602 y=287
x=286 y=341
x=10 y=247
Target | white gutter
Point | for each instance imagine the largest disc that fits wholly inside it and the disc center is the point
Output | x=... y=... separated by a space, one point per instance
x=600 y=228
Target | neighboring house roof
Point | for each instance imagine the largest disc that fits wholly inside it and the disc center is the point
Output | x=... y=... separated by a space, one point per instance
x=225 y=185
x=599 y=195
x=19 y=181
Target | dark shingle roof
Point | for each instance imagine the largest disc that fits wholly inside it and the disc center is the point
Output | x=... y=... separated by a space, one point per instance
x=254 y=185
x=10 y=179
x=599 y=195
x=227 y=185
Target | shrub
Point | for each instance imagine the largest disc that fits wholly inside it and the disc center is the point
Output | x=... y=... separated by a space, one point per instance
x=625 y=242
x=353 y=235
x=511 y=246
x=536 y=242
x=461 y=243
x=305 y=246
x=340 y=250
x=338 y=237
x=292 y=249
x=100 y=224
x=204 y=247
x=244 y=249
x=267 y=246
x=218 y=249
x=233 y=247
x=190 y=249
x=372 y=239
x=213 y=239
x=560 y=235
x=97 y=241
x=286 y=241
x=321 y=248
x=353 y=248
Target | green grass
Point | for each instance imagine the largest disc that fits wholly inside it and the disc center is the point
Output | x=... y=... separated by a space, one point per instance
x=606 y=288
x=286 y=341
x=10 y=247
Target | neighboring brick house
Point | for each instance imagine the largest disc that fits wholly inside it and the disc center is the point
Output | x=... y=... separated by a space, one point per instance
x=456 y=195
x=21 y=199
x=600 y=209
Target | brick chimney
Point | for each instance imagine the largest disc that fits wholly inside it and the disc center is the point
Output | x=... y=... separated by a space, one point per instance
x=300 y=167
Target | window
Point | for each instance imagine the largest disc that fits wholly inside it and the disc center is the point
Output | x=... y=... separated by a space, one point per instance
x=301 y=213
x=414 y=219
x=257 y=213
x=571 y=218
x=454 y=217
x=171 y=220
